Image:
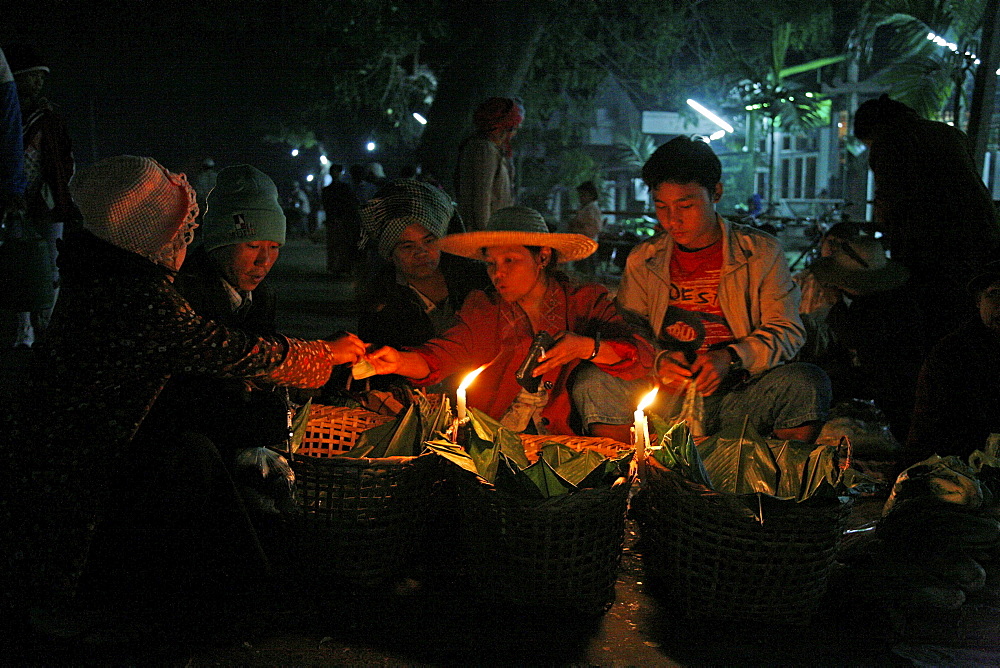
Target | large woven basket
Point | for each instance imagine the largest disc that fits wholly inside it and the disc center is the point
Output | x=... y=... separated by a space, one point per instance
x=563 y=552
x=716 y=559
x=360 y=516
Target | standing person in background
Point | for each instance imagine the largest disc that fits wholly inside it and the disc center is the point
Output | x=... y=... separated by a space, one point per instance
x=484 y=176
x=29 y=277
x=297 y=211
x=587 y=221
x=360 y=183
x=12 y=177
x=938 y=217
x=343 y=227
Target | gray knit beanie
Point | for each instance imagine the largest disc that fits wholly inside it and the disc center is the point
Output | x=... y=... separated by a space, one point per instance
x=243 y=206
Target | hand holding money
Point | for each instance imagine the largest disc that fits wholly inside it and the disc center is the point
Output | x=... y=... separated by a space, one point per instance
x=347 y=349
x=362 y=369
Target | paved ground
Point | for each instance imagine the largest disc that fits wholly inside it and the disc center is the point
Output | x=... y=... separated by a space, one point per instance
x=440 y=625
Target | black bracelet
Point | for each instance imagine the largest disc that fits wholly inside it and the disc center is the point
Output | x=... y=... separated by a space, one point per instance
x=597 y=346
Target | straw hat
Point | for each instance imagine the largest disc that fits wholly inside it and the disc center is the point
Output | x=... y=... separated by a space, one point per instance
x=860 y=266
x=518 y=226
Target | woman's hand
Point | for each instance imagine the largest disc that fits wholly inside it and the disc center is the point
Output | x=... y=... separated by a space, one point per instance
x=568 y=347
x=384 y=360
x=389 y=360
x=347 y=349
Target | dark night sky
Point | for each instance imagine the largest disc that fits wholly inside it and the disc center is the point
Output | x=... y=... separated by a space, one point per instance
x=152 y=82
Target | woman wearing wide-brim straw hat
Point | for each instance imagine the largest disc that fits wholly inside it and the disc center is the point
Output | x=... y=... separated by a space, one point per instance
x=496 y=328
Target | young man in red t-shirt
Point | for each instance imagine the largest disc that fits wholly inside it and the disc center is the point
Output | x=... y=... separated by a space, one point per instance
x=720 y=303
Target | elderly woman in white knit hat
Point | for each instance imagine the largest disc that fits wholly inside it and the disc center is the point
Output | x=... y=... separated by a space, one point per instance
x=497 y=328
x=119 y=332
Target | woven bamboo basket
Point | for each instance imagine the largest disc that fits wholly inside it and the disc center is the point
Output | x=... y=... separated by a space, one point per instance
x=360 y=516
x=717 y=561
x=563 y=552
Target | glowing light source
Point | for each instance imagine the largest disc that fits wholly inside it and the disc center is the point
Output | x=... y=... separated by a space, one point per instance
x=370 y=146
x=324 y=160
x=701 y=109
x=460 y=394
x=310 y=177
x=295 y=152
x=640 y=428
x=420 y=118
x=718 y=134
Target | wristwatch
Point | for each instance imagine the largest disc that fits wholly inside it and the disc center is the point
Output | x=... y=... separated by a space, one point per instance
x=735 y=363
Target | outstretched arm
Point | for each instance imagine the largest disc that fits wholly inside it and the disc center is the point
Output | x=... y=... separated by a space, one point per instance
x=389 y=360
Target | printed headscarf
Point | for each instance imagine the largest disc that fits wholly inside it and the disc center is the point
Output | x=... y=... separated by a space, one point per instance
x=399 y=204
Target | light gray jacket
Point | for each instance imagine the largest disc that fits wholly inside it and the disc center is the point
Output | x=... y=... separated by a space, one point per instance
x=757 y=295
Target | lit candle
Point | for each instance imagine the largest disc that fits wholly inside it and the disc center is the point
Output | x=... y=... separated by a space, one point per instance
x=462 y=388
x=641 y=427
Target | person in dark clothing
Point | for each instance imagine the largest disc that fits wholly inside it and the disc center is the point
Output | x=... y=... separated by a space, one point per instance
x=937 y=215
x=958 y=393
x=877 y=330
x=343 y=228
x=29 y=278
x=225 y=279
x=12 y=177
x=418 y=292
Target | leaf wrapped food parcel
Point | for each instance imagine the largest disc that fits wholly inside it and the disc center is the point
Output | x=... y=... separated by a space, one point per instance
x=548 y=481
x=739 y=461
x=488 y=429
x=400 y=437
x=572 y=465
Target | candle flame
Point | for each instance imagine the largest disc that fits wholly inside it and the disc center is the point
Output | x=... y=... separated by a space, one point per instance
x=470 y=377
x=648 y=399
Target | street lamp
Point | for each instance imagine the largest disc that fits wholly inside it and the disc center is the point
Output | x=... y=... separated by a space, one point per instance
x=295 y=152
x=420 y=118
x=701 y=109
x=370 y=146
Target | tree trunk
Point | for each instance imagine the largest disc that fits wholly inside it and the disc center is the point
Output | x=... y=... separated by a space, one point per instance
x=493 y=58
x=985 y=82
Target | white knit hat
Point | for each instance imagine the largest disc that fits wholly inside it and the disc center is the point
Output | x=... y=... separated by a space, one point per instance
x=134 y=203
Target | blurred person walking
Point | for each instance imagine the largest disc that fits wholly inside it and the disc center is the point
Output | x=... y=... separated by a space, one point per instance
x=587 y=221
x=12 y=177
x=343 y=227
x=28 y=275
x=484 y=176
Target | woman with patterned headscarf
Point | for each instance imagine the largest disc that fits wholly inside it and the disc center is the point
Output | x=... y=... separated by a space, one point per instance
x=484 y=176
x=417 y=295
